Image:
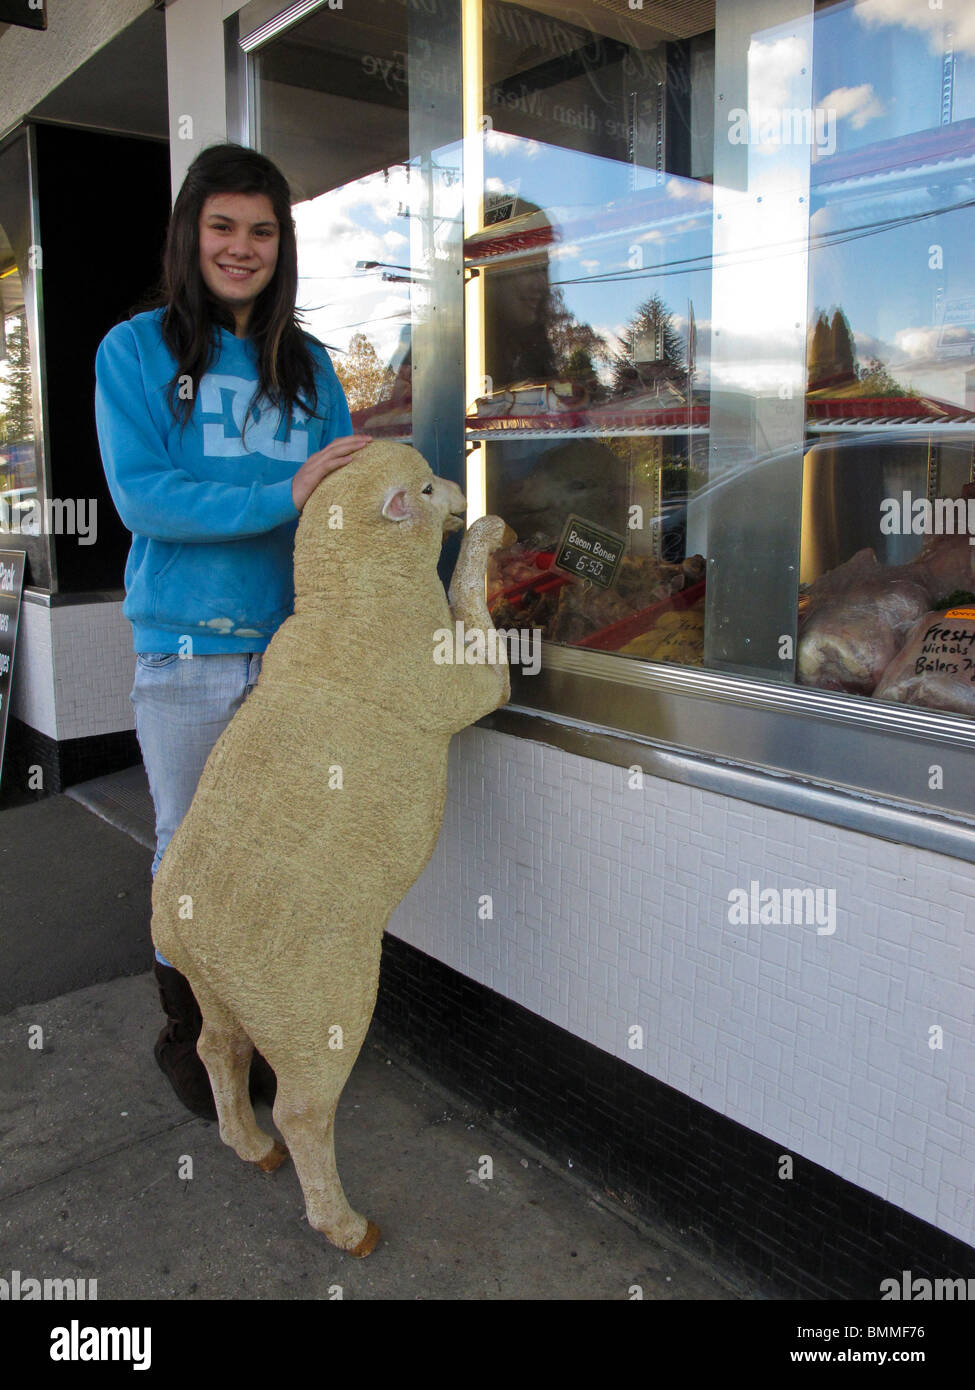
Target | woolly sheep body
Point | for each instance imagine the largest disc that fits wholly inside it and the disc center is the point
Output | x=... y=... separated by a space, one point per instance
x=290 y=884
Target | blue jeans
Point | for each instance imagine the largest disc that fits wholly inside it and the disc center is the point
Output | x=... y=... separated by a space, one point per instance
x=182 y=706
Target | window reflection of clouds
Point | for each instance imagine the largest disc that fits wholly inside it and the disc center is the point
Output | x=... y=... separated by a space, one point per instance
x=678 y=254
x=900 y=49
x=872 y=241
x=909 y=14
x=859 y=105
x=500 y=143
x=774 y=64
x=335 y=231
x=760 y=273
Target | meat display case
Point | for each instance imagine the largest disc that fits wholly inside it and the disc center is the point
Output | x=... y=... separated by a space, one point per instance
x=789 y=459
x=887 y=561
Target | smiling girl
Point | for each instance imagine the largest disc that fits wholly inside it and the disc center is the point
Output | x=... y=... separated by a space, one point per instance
x=217 y=416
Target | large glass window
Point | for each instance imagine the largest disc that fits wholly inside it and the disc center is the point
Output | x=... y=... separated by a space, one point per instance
x=19 y=485
x=690 y=288
x=888 y=560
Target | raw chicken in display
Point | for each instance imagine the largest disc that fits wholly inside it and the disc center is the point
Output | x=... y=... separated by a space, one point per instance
x=857 y=620
x=936 y=666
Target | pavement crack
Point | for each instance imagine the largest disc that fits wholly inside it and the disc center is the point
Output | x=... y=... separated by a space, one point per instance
x=91 y=1162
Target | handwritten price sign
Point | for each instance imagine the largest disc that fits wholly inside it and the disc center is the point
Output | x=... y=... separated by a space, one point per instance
x=590 y=552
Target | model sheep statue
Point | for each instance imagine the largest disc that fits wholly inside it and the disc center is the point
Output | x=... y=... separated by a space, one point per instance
x=321 y=803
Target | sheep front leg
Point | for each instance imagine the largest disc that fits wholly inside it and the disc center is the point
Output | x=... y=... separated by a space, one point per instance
x=468 y=602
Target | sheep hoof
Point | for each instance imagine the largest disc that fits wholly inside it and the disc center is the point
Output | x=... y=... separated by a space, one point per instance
x=273 y=1158
x=368 y=1242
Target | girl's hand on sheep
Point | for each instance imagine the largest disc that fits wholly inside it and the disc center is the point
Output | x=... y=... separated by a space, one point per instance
x=318 y=466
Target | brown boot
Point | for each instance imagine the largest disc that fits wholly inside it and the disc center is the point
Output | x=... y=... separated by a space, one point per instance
x=175 y=1049
x=176 y=1052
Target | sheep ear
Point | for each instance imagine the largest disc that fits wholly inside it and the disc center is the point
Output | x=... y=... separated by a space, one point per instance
x=395 y=507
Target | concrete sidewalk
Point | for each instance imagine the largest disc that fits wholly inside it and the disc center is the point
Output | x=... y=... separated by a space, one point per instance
x=96 y=1152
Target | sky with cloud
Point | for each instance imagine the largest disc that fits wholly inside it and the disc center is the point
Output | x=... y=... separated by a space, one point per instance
x=879 y=64
x=363 y=221
x=876 y=72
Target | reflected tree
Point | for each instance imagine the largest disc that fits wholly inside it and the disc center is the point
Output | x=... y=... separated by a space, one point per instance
x=831 y=353
x=876 y=380
x=16 y=398
x=579 y=350
x=833 y=364
x=365 y=380
x=652 y=355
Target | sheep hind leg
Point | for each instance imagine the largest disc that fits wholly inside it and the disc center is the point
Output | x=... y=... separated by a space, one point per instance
x=226 y=1050
x=304 y=1112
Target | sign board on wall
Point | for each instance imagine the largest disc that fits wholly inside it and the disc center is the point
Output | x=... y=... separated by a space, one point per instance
x=30 y=14
x=11 y=586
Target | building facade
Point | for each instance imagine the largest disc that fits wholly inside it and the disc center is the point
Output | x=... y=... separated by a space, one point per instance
x=686 y=294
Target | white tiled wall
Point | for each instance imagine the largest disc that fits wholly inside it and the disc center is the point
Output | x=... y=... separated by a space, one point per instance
x=32 y=684
x=73 y=670
x=94 y=666
x=611 y=909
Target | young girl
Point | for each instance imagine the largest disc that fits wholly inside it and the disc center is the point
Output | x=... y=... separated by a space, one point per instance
x=217 y=418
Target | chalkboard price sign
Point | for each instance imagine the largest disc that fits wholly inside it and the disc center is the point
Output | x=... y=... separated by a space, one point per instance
x=11 y=584
x=590 y=552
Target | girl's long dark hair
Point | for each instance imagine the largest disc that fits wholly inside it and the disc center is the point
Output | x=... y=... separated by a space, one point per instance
x=191 y=318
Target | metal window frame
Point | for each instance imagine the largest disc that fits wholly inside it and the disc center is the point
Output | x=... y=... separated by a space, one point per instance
x=289 y=16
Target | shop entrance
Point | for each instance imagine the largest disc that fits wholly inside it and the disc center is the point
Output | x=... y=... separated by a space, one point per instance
x=84 y=204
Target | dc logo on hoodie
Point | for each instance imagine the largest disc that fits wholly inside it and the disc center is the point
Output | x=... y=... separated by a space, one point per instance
x=227 y=398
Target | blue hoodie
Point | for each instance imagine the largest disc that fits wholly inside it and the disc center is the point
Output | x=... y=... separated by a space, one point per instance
x=212 y=517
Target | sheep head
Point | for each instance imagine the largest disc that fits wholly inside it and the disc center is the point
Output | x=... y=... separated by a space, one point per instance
x=384 y=513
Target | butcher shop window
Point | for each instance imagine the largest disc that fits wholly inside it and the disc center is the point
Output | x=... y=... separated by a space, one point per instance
x=887 y=600
x=716 y=364
x=739 y=338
